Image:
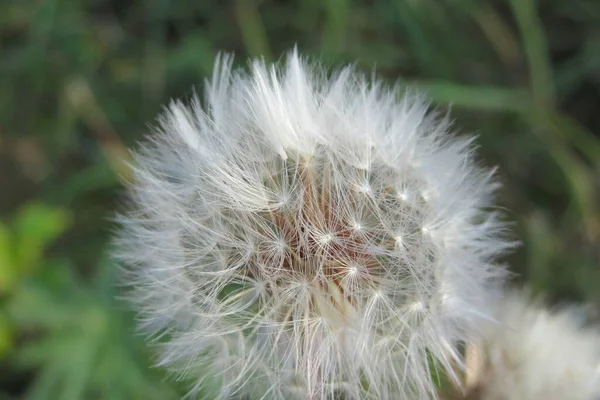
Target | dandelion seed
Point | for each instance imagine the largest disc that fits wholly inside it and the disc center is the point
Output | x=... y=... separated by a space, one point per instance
x=357 y=226
x=261 y=244
x=403 y=195
x=325 y=238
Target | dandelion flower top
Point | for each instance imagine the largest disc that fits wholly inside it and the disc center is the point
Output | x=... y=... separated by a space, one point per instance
x=307 y=234
x=537 y=354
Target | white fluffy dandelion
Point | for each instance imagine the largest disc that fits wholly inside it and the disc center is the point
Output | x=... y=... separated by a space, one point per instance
x=301 y=234
x=537 y=354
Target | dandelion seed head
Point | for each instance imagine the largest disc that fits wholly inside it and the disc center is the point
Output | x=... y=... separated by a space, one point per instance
x=537 y=353
x=263 y=246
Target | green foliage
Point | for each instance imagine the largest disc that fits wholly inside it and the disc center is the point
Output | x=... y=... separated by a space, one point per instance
x=22 y=244
x=83 y=346
x=79 y=81
x=74 y=333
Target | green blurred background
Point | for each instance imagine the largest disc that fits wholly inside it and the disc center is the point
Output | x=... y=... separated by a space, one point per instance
x=80 y=81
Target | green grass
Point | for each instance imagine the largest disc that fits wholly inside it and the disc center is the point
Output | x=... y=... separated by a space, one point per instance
x=81 y=80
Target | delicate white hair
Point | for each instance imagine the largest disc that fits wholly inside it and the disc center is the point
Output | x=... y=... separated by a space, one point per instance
x=309 y=234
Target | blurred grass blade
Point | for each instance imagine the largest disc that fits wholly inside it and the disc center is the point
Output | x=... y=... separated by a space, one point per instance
x=536 y=51
x=253 y=30
x=497 y=32
x=476 y=97
x=580 y=138
x=421 y=44
x=334 y=34
x=581 y=182
x=81 y=97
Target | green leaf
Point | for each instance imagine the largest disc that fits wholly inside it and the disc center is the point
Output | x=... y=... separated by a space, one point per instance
x=36 y=226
